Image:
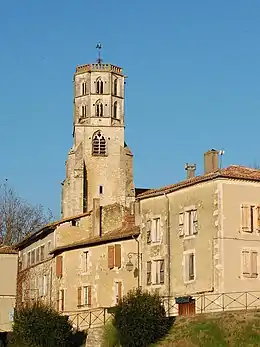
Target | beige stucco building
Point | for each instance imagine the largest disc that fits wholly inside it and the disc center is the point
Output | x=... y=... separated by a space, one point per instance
x=8 y=275
x=196 y=238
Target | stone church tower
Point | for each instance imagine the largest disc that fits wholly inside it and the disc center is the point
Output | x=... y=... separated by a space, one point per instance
x=99 y=165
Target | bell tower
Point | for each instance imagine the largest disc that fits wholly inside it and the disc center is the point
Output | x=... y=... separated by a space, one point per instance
x=99 y=164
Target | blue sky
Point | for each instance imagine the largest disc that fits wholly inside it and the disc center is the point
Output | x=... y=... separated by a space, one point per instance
x=193 y=84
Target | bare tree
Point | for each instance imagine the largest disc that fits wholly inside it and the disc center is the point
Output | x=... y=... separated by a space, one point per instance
x=18 y=218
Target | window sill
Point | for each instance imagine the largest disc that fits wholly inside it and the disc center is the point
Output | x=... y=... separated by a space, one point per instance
x=189 y=237
x=190 y=281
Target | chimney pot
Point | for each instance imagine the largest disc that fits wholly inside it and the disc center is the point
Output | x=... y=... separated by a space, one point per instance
x=211 y=161
x=190 y=168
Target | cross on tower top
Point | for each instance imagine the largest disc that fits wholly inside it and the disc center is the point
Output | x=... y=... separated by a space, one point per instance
x=99 y=47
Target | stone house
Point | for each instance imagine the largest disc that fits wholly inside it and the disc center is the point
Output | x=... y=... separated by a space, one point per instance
x=8 y=272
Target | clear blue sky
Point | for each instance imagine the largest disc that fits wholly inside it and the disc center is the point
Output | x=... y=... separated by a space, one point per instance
x=194 y=72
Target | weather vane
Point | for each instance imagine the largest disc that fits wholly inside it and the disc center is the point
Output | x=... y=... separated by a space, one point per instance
x=99 y=47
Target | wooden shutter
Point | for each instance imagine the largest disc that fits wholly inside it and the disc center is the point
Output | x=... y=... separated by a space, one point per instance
x=118 y=256
x=245 y=218
x=89 y=295
x=62 y=299
x=58 y=300
x=111 y=257
x=245 y=262
x=79 y=296
x=195 y=221
x=254 y=264
x=59 y=266
x=181 y=224
x=119 y=290
x=258 y=218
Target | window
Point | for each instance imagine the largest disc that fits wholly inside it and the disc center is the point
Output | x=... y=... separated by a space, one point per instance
x=101 y=190
x=84 y=88
x=249 y=263
x=115 y=110
x=59 y=266
x=24 y=261
x=114 y=256
x=37 y=254
x=42 y=252
x=29 y=259
x=85 y=258
x=188 y=223
x=60 y=300
x=99 y=109
x=118 y=292
x=99 y=85
x=159 y=271
x=86 y=296
x=84 y=111
x=250 y=218
x=115 y=87
x=45 y=285
x=49 y=246
x=156 y=234
x=149 y=272
x=33 y=257
x=189 y=263
x=98 y=144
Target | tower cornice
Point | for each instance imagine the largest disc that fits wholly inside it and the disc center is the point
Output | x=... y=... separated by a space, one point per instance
x=99 y=68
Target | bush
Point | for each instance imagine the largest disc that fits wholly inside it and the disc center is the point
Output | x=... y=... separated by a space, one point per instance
x=110 y=336
x=41 y=326
x=140 y=319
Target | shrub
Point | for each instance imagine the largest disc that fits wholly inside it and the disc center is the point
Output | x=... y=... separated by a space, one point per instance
x=140 y=319
x=41 y=326
x=110 y=336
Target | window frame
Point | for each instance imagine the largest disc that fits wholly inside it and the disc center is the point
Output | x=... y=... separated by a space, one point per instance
x=186 y=261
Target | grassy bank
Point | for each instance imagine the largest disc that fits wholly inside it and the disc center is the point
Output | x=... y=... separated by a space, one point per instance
x=230 y=329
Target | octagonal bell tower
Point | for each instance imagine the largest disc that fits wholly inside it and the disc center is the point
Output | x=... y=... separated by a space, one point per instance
x=100 y=164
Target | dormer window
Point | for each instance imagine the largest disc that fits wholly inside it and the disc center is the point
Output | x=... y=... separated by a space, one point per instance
x=98 y=144
x=99 y=86
x=99 y=109
x=115 y=87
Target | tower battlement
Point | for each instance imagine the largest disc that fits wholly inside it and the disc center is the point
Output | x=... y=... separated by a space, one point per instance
x=99 y=67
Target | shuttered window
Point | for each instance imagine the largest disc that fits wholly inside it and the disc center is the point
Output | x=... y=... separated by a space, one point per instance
x=247 y=218
x=114 y=256
x=188 y=223
x=250 y=263
x=118 y=291
x=189 y=267
x=79 y=296
x=149 y=272
x=181 y=224
x=111 y=257
x=59 y=263
x=118 y=256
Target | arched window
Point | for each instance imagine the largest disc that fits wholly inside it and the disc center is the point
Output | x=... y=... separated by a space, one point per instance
x=99 y=109
x=100 y=86
x=115 y=110
x=98 y=144
x=115 y=87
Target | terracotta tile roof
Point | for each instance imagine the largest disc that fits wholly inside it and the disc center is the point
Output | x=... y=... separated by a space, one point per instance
x=123 y=233
x=48 y=228
x=7 y=250
x=231 y=172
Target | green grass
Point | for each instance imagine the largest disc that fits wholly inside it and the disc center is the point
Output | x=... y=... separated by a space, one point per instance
x=230 y=329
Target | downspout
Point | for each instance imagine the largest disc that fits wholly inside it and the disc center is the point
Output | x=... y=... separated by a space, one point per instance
x=168 y=248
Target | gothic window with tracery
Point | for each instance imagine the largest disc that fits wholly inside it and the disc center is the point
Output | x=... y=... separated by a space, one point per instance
x=115 y=110
x=115 y=87
x=99 y=109
x=98 y=144
x=100 y=86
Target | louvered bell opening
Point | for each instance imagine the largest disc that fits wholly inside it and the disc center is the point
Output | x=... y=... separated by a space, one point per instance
x=102 y=146
x=96 y=146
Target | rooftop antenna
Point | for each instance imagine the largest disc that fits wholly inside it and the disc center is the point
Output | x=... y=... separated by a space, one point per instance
x=221 y=153
x=99 y=47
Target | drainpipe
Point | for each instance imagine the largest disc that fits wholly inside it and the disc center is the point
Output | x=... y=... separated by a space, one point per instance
x=168 y=248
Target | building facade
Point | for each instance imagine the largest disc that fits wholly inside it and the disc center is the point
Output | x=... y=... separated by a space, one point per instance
x=8 y=272
x=187 y=241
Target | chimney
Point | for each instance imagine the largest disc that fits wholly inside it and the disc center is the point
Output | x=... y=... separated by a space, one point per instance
x=190 y=168
x=96 y=218
x=211 y=161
